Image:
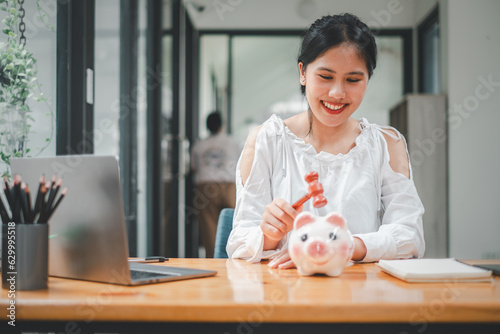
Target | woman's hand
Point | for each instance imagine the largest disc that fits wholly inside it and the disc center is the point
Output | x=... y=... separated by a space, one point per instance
x=359 y=249
x=282 y=261
x=277 y=221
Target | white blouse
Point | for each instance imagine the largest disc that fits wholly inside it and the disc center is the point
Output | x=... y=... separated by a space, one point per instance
x=381 y=206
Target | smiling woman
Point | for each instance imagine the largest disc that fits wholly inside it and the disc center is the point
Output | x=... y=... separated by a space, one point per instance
x=364 y=168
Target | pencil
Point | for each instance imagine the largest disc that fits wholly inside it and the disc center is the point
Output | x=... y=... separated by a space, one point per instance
x=3 y=212
x=41 y=217
x=56 y=184
x=6 y=190
x=38 y=199
x=24 y=203
x=28 y=200
x=16 y=199
x=51 y=210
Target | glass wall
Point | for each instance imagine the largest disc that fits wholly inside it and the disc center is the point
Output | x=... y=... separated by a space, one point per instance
x=249 y=78
x=385 y=88
x=107 y=98
x=142 y=228
x=167 y=142
x=265 y=80
x=430 y=52
x=107 y=78
x=214 y=62
x=41 y=39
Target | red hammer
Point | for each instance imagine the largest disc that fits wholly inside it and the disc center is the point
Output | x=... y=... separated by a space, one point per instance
x=315 y=190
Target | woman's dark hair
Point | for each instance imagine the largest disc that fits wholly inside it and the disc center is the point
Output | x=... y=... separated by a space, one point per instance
x=214 y=122
x=333 y=30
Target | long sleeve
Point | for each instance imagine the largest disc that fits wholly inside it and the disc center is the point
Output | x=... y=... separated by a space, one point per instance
x=246 y=239
x=401 y=234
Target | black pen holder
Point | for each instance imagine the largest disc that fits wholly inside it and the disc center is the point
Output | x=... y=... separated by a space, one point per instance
x=25 y=256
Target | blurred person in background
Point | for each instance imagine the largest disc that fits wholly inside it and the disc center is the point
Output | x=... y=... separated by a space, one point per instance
x=213 y=160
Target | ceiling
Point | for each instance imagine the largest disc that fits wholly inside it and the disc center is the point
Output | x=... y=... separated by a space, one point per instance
x=295 y=14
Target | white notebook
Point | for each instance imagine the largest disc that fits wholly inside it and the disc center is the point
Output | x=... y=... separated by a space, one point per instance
x=434 y=270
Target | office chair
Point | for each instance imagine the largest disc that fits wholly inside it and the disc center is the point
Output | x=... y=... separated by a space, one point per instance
x=224 y=227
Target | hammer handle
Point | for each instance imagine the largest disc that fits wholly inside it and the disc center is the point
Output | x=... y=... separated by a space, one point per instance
x=301 y=201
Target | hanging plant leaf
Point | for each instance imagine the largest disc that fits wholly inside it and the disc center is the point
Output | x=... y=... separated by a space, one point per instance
x=4 y=79
x=19 y=87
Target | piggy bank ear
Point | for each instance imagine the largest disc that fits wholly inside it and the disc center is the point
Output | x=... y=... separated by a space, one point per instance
x=336 y=219
x=302 y=219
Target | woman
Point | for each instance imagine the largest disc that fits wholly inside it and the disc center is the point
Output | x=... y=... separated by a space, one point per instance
x=364 y=168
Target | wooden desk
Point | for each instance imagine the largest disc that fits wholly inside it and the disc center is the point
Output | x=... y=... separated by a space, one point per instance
x=252 y=298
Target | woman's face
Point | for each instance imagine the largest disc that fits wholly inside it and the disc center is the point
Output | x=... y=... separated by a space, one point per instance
x=335 y=84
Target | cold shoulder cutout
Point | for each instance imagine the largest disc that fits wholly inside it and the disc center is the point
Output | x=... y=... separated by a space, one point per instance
x=398 y=155
x=248 y=155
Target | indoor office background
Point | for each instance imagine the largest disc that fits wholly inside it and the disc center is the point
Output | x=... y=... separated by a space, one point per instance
x=159 y=67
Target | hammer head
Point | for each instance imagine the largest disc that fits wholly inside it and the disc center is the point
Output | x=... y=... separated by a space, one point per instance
x=319 y=201
x=315 y=190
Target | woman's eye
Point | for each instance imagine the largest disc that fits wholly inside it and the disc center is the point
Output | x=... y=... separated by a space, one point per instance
x=326 y=77
x=353 y=80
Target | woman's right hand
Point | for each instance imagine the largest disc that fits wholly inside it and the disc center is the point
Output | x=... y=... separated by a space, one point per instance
x=277 y=221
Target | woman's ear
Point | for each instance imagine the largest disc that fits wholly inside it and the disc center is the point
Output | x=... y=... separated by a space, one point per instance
x=302 y=73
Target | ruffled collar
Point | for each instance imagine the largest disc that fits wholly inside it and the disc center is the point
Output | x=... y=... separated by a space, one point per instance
x=309 y=150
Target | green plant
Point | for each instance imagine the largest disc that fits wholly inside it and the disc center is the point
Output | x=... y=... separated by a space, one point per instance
x=19 y=87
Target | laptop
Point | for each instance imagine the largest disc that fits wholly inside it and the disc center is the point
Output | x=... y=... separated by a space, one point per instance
x=87 y=232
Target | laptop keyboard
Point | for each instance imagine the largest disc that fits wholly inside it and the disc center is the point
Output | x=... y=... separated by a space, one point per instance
x=139 y=275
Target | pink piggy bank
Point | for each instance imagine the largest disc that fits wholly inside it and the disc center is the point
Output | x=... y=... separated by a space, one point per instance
x=320 y=245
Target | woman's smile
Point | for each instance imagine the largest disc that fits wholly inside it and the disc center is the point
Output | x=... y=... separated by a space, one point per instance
x=334 y=108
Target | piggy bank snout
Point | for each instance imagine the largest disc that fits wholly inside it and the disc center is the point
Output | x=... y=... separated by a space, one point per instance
x=318 y=248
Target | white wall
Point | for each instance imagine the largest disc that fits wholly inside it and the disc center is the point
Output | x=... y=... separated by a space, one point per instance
x=422 y=8
x=473 y=31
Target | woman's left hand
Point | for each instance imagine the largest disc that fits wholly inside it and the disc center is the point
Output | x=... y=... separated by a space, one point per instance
x=282 y=261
